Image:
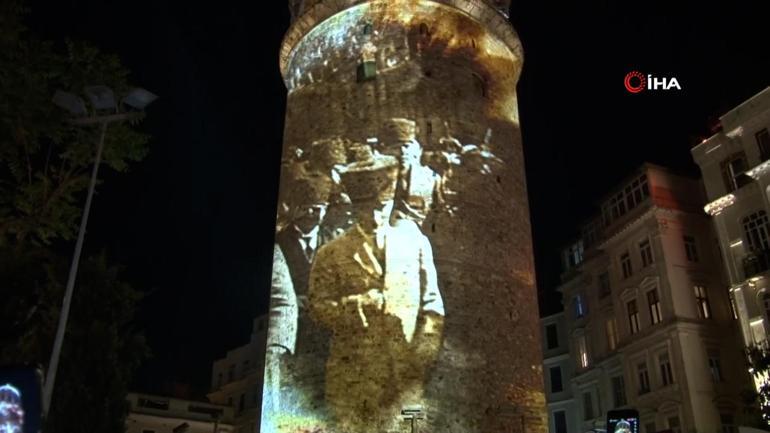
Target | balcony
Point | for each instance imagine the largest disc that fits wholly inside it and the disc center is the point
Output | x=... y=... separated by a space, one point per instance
x=756 y=263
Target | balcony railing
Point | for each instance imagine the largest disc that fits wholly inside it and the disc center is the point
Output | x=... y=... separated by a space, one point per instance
x=756 y=263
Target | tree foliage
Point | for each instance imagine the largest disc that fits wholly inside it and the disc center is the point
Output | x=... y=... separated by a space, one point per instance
x=46 y=159
x=759 y=365
x=45 y=166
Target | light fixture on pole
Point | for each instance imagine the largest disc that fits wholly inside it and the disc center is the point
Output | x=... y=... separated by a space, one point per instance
x=102 y=98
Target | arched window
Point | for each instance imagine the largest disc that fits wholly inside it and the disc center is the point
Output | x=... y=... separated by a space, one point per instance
x=757 y=231
x=480 y=84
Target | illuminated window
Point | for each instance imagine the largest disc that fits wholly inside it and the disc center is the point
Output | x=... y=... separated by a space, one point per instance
x=580 y=309
x=588 y=406
x=582 y=351
x=702 y=302
x=763 y=141
x=604 y=285
x=625 y=265
x=654 y=303
x=612 y=333
x=618 y=391
x=643 y=376
x=733 y=169
x=715 y=367
x=633 y=316
x=645 y=251
x=551 y=337
x=756 y=230
x=690 y=249
x=556 y=382
x=666 y=374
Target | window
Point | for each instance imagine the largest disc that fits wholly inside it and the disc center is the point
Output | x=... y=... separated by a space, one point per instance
x=673 y=424
x=551 y=337
x=766 y=304
x=763 y=141
x=715 y=367
x=604 y=285
x=229 y=401
x=728 y=423
x=733 y=169
x=650 y=428
x=618 y=391
x=643 y=376
x=689 y=249
x=242 y=403
x=480 y=84
x=666 y=375
x=702 y=302
x=580 y=309
x=755 y=227
x=573 y=255
x=231 y=373
x=612 y=334
x=654 y=302
x=625 y=200
x=556 y=384
x=582 y=350
x=245 y=367
x=588 y=406
x=625 y=265
x=560 y=421
x=645 y=251
x=633 y=316
x=219 y=380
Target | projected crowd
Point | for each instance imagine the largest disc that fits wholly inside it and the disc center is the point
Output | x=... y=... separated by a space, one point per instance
x=357 y=313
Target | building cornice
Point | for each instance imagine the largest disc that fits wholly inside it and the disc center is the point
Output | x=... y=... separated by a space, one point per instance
x=629 y=226
x=717 y=206
x=760 y=170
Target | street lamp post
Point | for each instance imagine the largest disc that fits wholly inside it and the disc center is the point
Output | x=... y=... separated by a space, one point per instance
x=101 y=98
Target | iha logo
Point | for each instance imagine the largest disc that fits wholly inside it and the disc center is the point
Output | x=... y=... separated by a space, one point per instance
x=635 y=82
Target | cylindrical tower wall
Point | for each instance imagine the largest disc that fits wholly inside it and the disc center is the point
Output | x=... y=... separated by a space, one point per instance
x=433 y=309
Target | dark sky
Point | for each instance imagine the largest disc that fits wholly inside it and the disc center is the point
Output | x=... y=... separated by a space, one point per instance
x=193 y=223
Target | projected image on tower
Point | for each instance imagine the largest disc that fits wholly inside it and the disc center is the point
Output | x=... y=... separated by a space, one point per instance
x=402 y=277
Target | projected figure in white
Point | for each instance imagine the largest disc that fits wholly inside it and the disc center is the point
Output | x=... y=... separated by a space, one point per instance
x=375 y=287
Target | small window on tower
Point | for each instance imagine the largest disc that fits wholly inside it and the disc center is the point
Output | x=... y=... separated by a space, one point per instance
x=368 y=29
x=481 y=85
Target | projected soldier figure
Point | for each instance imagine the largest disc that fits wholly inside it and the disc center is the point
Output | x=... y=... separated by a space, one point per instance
x=375 y=288
x=417 y=183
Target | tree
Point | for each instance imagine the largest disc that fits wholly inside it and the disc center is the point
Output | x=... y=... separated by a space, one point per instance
x=759 y=366
x=44 y=172
x=45 y=159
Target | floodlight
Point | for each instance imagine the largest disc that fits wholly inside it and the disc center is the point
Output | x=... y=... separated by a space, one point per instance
x=102 y=97
x=139 y=98
x=70 y=102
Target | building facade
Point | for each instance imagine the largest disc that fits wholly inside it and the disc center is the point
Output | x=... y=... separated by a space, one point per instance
x=648 y=316
x=735 y=164
x=558 y=369
x=236 y=380
x=403 y=279
x=156 y=414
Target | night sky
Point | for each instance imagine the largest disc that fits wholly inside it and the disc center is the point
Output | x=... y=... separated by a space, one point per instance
x=193 y=223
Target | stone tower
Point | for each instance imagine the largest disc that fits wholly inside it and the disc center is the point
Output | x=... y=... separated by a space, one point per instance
x=403 y=293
